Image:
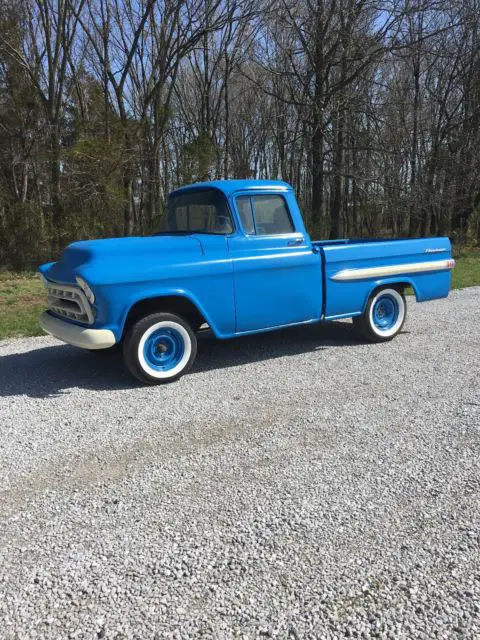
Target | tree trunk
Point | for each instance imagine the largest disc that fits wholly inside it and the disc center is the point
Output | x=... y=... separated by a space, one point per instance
x=318 y=120
x=337 y=202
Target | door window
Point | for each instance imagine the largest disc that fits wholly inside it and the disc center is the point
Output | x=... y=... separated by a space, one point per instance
x=264 y=215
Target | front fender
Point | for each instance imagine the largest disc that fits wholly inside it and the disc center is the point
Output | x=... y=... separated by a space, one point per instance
x=219 y=325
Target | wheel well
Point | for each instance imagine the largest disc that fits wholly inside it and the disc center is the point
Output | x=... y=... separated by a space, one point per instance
x=173 y=304
x=400 y=286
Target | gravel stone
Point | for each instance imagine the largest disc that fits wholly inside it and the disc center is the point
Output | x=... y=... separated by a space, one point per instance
x=298 y=484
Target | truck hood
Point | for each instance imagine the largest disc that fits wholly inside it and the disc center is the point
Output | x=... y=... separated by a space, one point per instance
x=111 y=259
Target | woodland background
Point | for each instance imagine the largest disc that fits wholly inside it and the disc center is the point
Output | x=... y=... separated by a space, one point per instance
x=371 y=110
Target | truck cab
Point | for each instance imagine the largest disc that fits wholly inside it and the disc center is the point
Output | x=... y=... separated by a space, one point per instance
x=233 y=254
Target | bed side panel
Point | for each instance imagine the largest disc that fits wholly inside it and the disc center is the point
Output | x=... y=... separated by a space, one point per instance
x=353 y=271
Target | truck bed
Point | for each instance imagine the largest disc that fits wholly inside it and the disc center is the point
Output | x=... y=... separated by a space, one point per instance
x=351 y=268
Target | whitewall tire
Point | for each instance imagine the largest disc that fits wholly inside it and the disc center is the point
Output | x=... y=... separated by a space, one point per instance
x=384 y=315
x=160 y=348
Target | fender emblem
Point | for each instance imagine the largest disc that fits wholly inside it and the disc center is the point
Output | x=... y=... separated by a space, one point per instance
x=435 y=250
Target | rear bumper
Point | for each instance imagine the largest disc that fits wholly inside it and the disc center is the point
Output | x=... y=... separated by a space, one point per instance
x=76 y=335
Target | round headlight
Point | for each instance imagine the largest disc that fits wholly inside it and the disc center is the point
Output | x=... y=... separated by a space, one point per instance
x=86 y=289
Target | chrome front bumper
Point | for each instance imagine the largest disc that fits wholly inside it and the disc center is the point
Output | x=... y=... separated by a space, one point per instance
x=74 y=334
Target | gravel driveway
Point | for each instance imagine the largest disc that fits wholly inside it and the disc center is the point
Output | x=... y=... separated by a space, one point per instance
x=295 y=484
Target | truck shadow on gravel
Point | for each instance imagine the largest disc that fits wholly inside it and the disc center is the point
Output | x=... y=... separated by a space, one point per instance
x=49 y=371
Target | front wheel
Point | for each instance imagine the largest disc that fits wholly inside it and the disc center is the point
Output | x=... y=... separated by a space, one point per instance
x=159 y=348
x=383 y=317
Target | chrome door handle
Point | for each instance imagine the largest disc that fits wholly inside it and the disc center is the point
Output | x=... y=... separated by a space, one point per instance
x=294 y=243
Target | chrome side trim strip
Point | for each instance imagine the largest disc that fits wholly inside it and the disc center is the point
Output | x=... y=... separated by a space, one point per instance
x=393 y=270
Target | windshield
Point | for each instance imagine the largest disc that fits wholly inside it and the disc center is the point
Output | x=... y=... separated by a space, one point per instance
x=203 y=211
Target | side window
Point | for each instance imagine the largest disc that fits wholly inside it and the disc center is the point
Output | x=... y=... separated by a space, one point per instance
x=271 y=215
x=264 y=215
x=244 y=206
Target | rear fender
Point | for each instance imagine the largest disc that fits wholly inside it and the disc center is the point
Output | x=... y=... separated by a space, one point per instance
x=426 y=286
x=397 y=283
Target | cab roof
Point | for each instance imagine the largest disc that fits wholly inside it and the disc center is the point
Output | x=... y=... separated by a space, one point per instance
x=230 y=186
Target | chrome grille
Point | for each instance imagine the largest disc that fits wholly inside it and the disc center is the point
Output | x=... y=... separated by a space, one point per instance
x=69 y=302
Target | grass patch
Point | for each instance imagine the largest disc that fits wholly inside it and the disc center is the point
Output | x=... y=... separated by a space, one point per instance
x=467 y=268
x=22 y=296
x=22 y=299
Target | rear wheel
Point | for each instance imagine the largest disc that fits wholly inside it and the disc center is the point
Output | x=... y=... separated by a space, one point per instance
x=383 y=317
x=160 y=348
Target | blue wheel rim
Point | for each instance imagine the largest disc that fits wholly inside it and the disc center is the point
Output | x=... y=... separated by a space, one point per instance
x=385 y=312
x=164 y=349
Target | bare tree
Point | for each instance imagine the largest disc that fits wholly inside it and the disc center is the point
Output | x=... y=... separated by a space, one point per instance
x=371 y=111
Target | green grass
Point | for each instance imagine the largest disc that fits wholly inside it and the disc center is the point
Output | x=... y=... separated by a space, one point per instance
x=22 y=297
x=467 y=268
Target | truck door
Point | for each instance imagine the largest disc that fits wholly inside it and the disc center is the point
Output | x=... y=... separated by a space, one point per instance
x=277 y=276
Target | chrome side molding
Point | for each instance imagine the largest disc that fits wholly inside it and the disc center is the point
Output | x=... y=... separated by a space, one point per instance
x=393 y=270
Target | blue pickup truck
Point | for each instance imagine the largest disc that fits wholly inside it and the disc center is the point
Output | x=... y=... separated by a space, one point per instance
x=233 y=254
